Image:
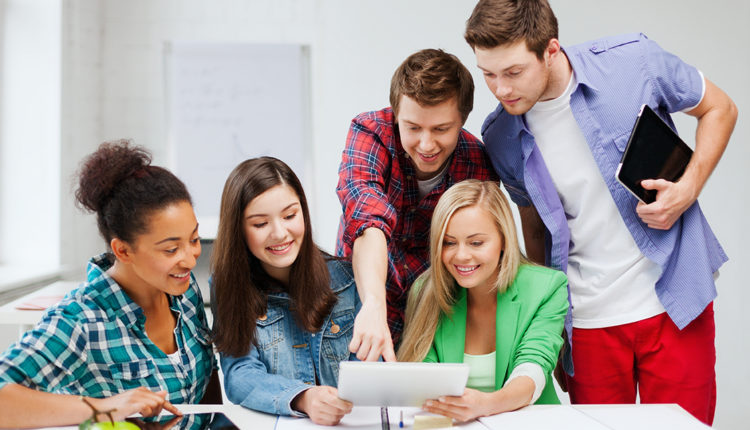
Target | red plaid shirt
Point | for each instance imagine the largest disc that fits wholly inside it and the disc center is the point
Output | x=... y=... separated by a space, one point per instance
x=378 y=188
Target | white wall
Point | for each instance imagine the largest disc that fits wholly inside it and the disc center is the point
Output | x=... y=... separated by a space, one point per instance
x=113 y=87
x=81 y=124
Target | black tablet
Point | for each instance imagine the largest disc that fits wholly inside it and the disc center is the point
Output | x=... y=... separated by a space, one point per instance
x=189 y=421
x=654 y=151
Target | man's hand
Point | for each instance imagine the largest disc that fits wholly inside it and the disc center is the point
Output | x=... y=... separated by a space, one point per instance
x=672 y=200
x=322 y=405
x=371 y=337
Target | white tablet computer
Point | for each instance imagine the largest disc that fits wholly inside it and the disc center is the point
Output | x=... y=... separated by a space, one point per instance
x=399 y=384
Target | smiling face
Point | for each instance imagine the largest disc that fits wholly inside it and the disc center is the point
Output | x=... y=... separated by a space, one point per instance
x=472 y=246
x=274 y=229
x=515 y=75
x=164 y=256
x=429 y=134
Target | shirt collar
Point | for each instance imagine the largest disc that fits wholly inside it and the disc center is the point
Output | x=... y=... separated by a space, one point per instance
x=108 y=292
x=579 y=70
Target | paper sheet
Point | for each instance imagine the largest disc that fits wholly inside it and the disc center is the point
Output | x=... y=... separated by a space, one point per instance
x=556 y=417
x=367 y=418
x=39 y=303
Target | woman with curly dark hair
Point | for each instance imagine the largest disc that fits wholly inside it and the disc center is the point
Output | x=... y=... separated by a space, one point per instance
x=133 y=338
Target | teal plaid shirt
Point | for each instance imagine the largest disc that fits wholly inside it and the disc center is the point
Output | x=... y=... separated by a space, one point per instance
x=94 y=343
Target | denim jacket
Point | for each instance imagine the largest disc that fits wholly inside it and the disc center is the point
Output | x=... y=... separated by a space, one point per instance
x=288 y=359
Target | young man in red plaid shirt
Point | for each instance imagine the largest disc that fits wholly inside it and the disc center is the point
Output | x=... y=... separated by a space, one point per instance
x=397 y=163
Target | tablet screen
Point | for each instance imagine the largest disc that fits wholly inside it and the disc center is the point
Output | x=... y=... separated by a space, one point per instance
x=654 y=151
x=213 y=421
x=399 y=384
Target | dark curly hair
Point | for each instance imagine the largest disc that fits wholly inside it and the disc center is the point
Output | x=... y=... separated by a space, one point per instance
x=119 y=184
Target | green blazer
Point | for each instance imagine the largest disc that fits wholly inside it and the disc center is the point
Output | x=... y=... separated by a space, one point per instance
x=529 y=324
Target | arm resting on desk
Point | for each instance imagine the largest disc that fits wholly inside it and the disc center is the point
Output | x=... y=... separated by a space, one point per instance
x=27 y=408
x=248 y=383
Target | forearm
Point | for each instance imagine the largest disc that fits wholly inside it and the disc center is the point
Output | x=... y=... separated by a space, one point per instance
x=717 y=115
x=249 y=384
x=542 y=340
x=370 y=265
x=28 y=408
x=533 y=371
x=516 y=394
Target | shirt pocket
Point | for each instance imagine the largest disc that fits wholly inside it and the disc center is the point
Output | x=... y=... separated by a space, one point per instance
x=336 y=336
x=134 y=374
x=621 y=142
x=270 y=329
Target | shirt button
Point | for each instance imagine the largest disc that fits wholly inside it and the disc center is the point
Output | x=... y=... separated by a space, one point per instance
x=263 y=317
x=406 y=267
x=335 y=328
x=408 y=177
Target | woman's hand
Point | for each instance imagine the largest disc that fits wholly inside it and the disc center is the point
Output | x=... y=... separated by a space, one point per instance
x=139 y=400
x=322 y=405
x=516 y=394
x=472 y=404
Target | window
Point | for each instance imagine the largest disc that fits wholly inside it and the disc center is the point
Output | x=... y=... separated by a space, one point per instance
x=30 y=83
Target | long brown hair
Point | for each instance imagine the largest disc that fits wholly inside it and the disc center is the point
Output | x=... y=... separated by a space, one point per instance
x=240 y=285
x=437 y=290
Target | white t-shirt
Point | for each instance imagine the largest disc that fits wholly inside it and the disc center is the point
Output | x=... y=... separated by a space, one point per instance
x=611 y=281
x=427 y=185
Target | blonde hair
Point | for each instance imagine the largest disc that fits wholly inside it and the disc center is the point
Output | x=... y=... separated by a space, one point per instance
x=435 y=291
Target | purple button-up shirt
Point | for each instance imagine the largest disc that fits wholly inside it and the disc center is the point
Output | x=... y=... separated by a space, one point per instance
x=615 y=77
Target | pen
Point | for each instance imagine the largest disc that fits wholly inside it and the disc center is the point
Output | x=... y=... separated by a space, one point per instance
x=401 y=420
x=385 y=424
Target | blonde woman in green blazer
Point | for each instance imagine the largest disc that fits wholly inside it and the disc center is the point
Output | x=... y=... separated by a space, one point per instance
x=483 y=303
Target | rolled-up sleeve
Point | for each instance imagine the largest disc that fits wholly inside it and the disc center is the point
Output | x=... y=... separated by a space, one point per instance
x=47 y=358
x=542 y=339
x=363 y=176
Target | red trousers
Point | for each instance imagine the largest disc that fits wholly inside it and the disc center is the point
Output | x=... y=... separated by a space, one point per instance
x=665 y=364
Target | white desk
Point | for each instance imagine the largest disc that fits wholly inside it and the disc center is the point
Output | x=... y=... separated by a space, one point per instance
x=244 y=418
x=26 y=320
x=616 y=417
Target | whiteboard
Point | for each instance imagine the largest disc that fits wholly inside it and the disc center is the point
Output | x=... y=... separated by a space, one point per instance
x=227 y=102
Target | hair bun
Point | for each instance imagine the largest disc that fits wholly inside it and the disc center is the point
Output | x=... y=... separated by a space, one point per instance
x=101 y=172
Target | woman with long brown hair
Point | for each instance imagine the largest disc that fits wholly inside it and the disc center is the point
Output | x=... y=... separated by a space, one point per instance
x=284 y=309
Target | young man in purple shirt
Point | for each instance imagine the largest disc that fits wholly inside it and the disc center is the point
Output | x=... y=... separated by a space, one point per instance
x=641 y=276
